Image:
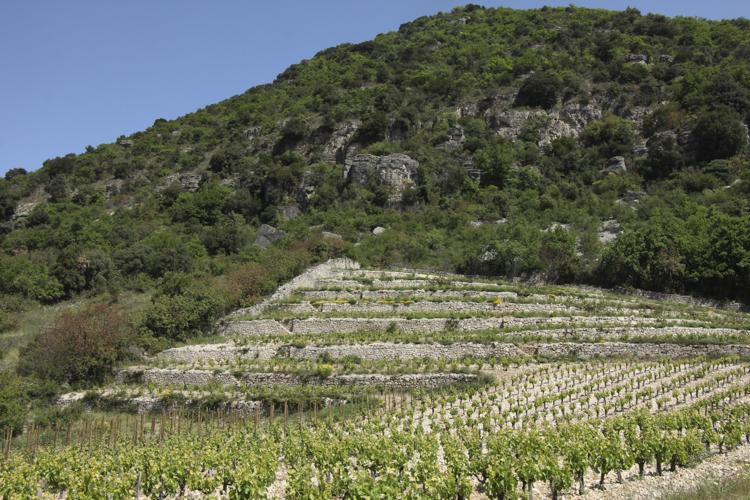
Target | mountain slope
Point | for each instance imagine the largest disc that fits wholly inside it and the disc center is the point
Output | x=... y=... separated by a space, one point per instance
x=577 y=145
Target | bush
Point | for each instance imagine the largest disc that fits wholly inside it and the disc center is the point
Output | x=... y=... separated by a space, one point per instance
x=539 y=90
x=13 y=400
x=719 y=134
x=182 y=308
x=80 y=345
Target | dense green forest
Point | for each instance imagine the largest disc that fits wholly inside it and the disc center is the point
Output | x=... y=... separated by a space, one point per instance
x=515 y=118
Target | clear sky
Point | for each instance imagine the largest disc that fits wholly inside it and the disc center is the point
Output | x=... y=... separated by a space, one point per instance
x=83 y=72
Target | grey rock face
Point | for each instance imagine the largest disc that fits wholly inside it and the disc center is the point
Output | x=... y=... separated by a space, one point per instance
x=23 y=210
x=378 y=230
x=126 y=143
x=570 y=120
x=640 y=150
x=326 y=234
x=335 y=147
x=609 y=231
x=614 y=165
x=252 y=132
x=288 y=212
x=394 y=170
x=454 y=138
x=665 y=58
x=268 y=235
x=190 y=182
x=636 y=58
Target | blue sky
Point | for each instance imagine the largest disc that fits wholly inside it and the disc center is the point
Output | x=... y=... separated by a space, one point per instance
x=80 y=73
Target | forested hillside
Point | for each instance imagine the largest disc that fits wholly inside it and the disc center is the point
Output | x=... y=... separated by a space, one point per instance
x=572 y=144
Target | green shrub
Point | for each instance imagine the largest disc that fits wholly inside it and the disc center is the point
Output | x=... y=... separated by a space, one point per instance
x=13 y=400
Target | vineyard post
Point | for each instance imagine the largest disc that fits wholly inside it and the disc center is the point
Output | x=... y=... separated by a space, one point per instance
x=138 y=487
x=57 y=430
x=67 y=438
x=9 y=434
x=286 y=412
x=271 y=414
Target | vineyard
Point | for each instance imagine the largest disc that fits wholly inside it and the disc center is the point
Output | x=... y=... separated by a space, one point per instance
x=350 y=383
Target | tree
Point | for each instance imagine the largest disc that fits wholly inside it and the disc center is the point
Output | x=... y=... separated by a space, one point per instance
x=719 y=134
x=494 y=164
x=13 y=400
x=373 y=128
x=181 y=308
x=558 y=253
x=539 y=90
x=664 y=157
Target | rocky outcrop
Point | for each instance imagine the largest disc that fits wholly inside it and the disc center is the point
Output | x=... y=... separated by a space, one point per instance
x=454 y=138
x=394 y=170
x=614 y=165
x=268 y=235
x=288 y=212
x=335 y=148
x=609 y=231
x=189 y=182
x=571 y=120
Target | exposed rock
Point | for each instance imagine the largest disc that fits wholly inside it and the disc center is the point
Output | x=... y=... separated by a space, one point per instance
x=23 y=210
x=609 y=231
x=665 y=58
x=252 y=132
x=640 y=150
x=268 y=235
x=476 y=224
x=471 y=170
x=175 y=133
x=631 y=198
x=335 y=147
x=394 y=170
x=467 y=109
x=636 y=114
x=288 y=212
x=636 y=58
x=190 y=182
x=571 y=120
x=326 y=234
x=661 y=135
x=378 y=230
x=454 y=138
x=112 y=189
x=614 y=165
x=230 y=181
x=126 y=143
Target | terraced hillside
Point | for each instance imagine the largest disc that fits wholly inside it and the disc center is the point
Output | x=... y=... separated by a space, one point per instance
x=350 y=381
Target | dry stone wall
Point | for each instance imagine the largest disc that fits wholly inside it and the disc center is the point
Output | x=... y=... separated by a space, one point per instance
x=429 y=325
x=253 y=328
x=443 y=307
x=178 y=378
x=216 y=352
x=390 y=352
x=624 y=349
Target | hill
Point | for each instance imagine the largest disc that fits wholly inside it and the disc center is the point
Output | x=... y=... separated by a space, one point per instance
x=556 y=149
